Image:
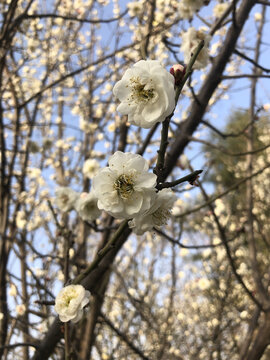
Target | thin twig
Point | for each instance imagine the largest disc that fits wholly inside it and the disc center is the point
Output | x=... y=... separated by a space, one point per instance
x=158 y=170
x=191 y=178
x=251 y=60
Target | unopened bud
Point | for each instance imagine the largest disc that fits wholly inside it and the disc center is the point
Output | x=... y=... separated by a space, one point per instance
x=178 y=72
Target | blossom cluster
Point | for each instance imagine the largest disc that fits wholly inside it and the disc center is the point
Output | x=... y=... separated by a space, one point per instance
x=126 y=189
x=190 y=40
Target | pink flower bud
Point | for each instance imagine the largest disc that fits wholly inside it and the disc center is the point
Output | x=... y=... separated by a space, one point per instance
x=178 y=72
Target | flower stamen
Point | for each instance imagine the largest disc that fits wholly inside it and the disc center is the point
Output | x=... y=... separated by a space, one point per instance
x=124 y=186
x=161 y=216
x=140 y=93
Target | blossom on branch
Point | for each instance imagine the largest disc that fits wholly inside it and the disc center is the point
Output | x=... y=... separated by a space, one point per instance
x=70 y=301
x=157 y=215
x=90 y=168
x=187 y=8
x=219 y=9
x=135 y=8
x=65 y=198
x=86 y=206
x=146 y=93
x=125 y=188
x=190 y=41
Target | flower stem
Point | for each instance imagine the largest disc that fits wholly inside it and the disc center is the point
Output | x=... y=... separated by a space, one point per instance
x=188 y=70
x=67 y=357
x=158 y=170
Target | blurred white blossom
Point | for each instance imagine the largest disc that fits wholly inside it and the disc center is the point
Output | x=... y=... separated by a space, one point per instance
x=187 y=8
x=65 y=198
x=219 y=9
x=190 y=40
x=90 y=168
x=135 y=8
x=20 y=309
x=86 y=206
x=12 y=290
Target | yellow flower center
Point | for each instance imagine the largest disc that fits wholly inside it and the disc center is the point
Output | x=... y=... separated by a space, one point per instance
x=68 y=297
x=124 y=186
x=142 y=92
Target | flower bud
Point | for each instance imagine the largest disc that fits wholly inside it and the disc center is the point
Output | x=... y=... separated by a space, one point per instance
x=178 y=72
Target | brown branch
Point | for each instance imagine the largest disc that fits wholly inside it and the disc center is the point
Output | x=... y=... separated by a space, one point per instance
x=13 y=346
x=74 y=18
x=191 y=178
x=219 y=196
x=224 y=150
x=255 y=63
x=124 y=338
x=241 y=76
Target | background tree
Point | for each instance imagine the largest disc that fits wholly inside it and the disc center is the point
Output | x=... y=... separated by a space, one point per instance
x=188 y=290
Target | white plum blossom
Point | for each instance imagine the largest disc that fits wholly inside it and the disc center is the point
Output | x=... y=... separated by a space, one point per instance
x=12 y=290
x=20 y=309
x=146 y=93
x=65 y=198
x=125 y=188
x=187 y=8
x=190 y=40
x=21 y=220
x=157 y=215
x=86 y=206
x=135 y=8
x=219 y=9
x=70 y=301
x=90 y=168
x=266 y=107
x=257 y=16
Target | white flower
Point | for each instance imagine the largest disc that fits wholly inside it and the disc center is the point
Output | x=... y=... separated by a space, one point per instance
x=187 y=8
x=86 y=206
x=157 y=215
x=190 y=40
x=70 y=301
x=125 y=188
x=65 y=198
x=146 y=92
x=266 y=107
x=219 y=9
x=257 y=16
x=12 y=290
x=135 y=8
x=21 y=219
x=90 y=168
x=204 y=283
x=20 y=309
